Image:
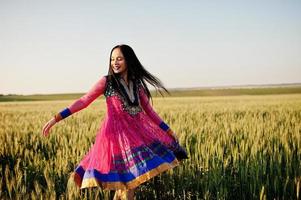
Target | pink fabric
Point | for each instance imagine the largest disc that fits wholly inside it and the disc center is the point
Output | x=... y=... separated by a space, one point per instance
x=145 y=103
x=119 y=131
x=97 y=90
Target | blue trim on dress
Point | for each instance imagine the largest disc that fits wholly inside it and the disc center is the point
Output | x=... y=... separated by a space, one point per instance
x=133 y=172
x=164 y=126
x=65 y=113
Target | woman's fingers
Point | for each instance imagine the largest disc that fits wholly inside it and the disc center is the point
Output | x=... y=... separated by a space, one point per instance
x=44 y=128
x=47 y=127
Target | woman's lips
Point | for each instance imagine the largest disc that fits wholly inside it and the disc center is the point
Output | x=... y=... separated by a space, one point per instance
x=116 y=67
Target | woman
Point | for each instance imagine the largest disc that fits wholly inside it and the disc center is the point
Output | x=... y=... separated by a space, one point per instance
x=133 y=143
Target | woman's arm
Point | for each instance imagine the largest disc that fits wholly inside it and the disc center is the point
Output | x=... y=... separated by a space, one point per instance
x=81 y=103
x=145 y=104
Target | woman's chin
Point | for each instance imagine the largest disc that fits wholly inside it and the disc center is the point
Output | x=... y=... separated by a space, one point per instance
x=118 y=72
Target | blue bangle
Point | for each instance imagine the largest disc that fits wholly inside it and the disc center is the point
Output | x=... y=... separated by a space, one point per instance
x=164 y=126
x=65 y=113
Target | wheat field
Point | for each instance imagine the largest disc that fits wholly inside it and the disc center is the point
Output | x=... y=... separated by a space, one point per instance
x=240 y=147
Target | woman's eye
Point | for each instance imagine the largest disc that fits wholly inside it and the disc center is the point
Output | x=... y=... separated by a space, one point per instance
x=119 y=59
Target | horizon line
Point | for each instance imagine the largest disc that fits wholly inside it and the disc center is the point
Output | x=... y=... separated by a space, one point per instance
x=250 y=86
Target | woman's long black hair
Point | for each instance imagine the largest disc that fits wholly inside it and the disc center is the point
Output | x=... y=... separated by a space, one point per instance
x=136 y=71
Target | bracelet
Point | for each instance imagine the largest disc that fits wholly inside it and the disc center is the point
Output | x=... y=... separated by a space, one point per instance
x=170 y=132
x=58 y=117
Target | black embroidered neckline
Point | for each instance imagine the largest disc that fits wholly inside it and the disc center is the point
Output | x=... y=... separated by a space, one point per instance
x=126 y=96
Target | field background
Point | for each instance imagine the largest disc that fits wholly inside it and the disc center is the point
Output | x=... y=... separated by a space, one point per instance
x=242 y=144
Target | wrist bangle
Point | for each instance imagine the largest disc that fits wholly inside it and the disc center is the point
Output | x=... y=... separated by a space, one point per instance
x=58 y=117
x=170 y=132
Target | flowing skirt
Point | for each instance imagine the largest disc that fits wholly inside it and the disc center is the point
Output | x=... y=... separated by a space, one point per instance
x=128 y=151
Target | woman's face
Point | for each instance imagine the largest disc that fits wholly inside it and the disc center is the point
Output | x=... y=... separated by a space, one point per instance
x=118 y=63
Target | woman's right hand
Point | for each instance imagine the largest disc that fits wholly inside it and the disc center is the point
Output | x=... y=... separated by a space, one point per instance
x=47 y=126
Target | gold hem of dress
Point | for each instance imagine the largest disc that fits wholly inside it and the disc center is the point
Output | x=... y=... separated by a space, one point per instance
x=93 y=182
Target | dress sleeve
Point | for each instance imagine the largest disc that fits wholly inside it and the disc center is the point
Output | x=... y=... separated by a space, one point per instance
x=145 y=104
x=81 y=103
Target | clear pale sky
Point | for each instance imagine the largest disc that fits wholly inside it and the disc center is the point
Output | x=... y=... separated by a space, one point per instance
x=62 y=46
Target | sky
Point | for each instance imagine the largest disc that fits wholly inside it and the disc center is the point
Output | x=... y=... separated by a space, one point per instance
x=63 y=46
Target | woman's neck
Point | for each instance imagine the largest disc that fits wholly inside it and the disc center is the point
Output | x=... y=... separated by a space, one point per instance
x=124 y=76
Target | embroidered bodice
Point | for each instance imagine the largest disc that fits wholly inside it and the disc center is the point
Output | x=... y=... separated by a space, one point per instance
x=115 y=98
x=128 y=95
